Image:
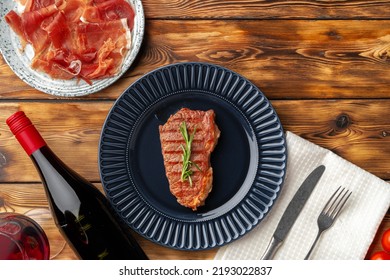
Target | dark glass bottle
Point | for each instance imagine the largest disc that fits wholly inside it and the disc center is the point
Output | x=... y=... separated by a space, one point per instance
x=81 y=212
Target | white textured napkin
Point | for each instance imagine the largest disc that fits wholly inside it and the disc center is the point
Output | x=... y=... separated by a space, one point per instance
x=352 y=233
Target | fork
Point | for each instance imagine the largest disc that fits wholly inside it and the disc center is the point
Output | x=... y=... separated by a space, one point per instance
x=329 y=213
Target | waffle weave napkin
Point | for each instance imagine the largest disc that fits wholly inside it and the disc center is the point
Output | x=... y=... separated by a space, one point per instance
x=352 y=233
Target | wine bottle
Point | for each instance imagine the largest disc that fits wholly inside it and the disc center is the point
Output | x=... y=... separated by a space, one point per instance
x=81 y=212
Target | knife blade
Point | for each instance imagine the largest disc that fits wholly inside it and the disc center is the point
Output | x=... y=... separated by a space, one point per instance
x=292 y=211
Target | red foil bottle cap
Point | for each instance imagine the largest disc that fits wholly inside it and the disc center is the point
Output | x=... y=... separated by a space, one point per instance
x=25 y=132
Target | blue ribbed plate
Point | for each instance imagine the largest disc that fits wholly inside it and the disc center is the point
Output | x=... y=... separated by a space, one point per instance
x=249 y=161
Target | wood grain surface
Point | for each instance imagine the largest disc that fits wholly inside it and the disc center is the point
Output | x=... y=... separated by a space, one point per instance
x=324 y=65
x=334 y=58
x=267 y=9
x=342 y=126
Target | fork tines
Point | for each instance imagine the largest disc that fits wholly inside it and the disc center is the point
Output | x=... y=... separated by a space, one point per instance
x=329 y=214
x=337 y=201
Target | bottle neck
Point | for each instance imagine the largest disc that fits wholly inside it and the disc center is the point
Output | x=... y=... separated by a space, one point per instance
x=25 y=132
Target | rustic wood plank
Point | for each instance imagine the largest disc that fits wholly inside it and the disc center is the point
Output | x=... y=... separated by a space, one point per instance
x=71 y=129
x=30 y=199
x=270 y=9
x=357 y=130
x=286 y=59
x=294 y=59
x=354 y=129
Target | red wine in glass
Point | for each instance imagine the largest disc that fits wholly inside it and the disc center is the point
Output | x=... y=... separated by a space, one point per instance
x=21 y=238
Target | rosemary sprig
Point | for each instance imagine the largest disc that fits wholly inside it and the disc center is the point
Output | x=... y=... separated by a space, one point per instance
x=187 y=163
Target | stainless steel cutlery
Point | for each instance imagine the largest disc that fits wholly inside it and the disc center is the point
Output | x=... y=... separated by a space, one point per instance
x=325 y=220
x=292 y=211
x=329 y=213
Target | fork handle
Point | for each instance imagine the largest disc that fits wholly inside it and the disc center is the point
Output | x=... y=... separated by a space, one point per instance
x=314 y=244
x=273 y=246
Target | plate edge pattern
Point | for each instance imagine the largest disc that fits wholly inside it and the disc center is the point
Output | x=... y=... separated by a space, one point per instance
x=213 y=233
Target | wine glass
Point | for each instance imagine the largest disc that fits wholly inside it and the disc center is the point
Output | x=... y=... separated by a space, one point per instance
x=21 y=238
x=45 y=219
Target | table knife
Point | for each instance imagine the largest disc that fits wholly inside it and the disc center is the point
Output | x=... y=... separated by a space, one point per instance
x=292 y=212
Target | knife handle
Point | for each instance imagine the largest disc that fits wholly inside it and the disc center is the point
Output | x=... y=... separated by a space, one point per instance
x=273 y=246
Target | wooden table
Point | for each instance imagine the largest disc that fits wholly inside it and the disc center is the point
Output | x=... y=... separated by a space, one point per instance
x=324 y=65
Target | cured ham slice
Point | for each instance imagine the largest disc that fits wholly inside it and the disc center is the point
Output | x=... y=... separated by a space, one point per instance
x=33 y=5
x=73 y=10
x=83 y=39
x=97 y=53
x=57 y=30
x=27 y=25
x=109 y=10
x=15 y=21
x=110 y=40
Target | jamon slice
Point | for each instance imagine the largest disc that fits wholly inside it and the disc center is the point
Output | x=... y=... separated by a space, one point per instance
x=27 y=26
x=109 y=10
x=66 y=45
x=192 y=192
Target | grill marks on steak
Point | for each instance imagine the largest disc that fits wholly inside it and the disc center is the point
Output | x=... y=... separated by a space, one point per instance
x=204 y=142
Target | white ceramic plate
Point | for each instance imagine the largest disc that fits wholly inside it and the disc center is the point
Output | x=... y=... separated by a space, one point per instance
x=20 y=63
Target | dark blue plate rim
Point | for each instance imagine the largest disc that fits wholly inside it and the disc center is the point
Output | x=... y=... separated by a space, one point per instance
x=226 y=222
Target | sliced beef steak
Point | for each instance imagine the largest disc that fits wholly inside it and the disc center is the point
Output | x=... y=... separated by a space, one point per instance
x=192 y=192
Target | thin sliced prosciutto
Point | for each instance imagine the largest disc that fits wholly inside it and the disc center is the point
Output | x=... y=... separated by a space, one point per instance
x=83 y=39
x=106 y=10
x=28 y=26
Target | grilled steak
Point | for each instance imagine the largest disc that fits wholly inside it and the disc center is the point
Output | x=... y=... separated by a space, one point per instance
x=193 y=191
